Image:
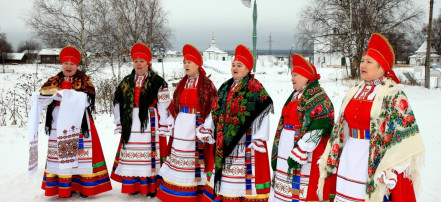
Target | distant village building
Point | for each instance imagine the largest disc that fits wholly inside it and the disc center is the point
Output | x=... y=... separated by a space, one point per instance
x=14 y=58
x=49 y=56
x=213 y=52
x=171 y=53
x=324 y=57
x=31 y=55
x=420 y=56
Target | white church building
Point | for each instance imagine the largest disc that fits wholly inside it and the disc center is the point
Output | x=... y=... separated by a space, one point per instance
x=213 y=52
x=420 y=56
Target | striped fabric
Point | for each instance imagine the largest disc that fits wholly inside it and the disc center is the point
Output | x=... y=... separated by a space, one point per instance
x=291 y=127
x=248 y=165
x=359 y=133
x=137 y=165
x=87 y=184
x=184 y=160
x=144 y=185
x=169 y=191
x=208 y=196
x=153 y=136
x=188 y=110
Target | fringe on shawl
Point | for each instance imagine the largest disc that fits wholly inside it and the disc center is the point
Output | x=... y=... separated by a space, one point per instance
x=323 y=171
x=411 y=172
x=254 y=127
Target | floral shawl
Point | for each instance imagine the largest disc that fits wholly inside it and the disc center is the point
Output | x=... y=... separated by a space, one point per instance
x=206 y=92
x=232 y=120
x=395 y=139
x=315 y=111
x=80 y=82
x=125 y=94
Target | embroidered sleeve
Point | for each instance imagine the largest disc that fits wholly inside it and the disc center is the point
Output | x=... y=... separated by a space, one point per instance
x=165 y=118
x=310 y=140
x=164 y=95
x=205 y=131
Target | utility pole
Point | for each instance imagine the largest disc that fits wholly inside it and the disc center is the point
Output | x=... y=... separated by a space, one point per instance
x=428 y=48
x=270 y=51
x=254 y=34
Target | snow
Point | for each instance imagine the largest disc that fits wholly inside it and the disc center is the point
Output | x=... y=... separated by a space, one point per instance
x=17 y=186
x=50 y=51
x=15 y=56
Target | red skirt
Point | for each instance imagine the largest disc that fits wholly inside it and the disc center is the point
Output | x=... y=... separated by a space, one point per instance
x=88 y=184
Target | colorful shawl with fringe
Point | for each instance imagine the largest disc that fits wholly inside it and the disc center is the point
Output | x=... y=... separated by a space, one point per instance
x=125 y=94
x=395 y=139
x=233 y=119
x=315 y=111
x=80 y=82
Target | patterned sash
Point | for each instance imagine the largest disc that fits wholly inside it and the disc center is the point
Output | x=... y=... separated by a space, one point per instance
x=153 y=136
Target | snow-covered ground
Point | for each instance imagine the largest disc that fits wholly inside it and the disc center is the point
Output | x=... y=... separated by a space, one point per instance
x=16 y=185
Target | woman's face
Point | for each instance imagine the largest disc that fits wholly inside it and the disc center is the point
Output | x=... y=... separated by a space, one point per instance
x=69 y=68
x=298 y=81
x=190 y=67
x=140 y=65
x=238 y=70
x=370 y=69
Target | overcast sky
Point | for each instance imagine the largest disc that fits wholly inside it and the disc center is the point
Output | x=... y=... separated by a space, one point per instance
x=194 y=21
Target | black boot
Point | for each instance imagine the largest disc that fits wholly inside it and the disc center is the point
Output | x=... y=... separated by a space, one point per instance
x=151 y=195
x=133 y=194
x=83 y=196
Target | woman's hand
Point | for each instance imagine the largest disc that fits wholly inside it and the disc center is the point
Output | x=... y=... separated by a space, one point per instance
x=390 y=179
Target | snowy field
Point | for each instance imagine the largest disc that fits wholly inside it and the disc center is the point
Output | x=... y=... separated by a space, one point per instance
x=16 y=185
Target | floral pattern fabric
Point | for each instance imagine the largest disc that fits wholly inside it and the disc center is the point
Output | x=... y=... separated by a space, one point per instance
x=233 y=113
x=315 y=111
x=395 y=123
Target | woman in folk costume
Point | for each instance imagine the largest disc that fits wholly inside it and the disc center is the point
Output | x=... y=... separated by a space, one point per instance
x=375 y=146
x=240 y=123
x=303 y=131
x=189 y=159
x=141 y=101
x=75 y=160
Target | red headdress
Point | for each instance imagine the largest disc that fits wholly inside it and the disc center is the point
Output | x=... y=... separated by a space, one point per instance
x=192 y=53
x=140 y=50
x=303 y=67
x=244 y=55
x=380 y=49
x=71 y=54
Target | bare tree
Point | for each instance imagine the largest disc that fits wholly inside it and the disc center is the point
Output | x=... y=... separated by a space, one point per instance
x=63 y=22
x=119 y=24
x=158 y=32
x=344 y=26
x=28 y=45
x=436 y=34
x=5 y=47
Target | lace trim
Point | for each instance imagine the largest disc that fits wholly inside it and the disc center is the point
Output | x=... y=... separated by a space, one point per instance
x=76 y=171
x=136 y=173
x=258 y=146
x=172 y=176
